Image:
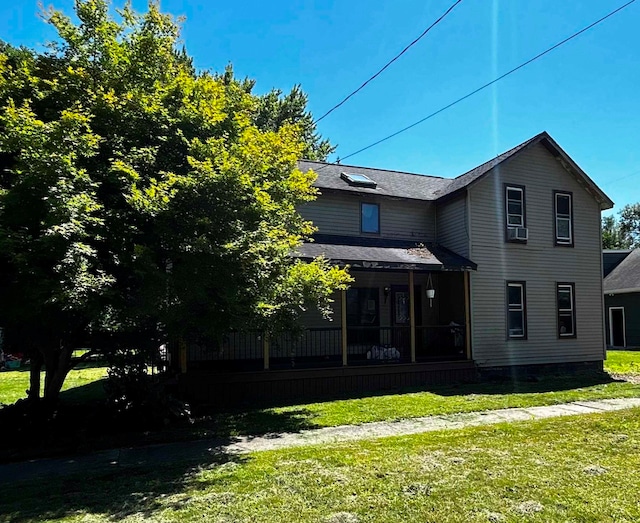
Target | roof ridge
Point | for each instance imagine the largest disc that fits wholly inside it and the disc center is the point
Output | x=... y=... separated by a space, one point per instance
x=375 y=169
x=505 y=154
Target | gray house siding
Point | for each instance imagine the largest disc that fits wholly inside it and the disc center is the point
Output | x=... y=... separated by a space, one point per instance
x=539 y=262
x=631 y=304
x=452 y=226
x=339 y=214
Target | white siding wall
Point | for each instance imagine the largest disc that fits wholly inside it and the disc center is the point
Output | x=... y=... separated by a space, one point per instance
x=400 y=219
x=540 y=263
x=452 y=226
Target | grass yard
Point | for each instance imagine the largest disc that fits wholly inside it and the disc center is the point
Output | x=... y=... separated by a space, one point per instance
x=439 y=400
x=625 y=362
x=82 y=384
x=582 y=468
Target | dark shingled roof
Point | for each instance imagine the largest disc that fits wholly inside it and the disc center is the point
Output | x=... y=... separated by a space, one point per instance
x=424 y=187
x=471 y=176
x=390 y=183
x=626 y=276
x=375 y=253
x=611 y=258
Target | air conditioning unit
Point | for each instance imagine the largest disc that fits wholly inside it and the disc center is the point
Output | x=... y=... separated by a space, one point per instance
x=518 y=233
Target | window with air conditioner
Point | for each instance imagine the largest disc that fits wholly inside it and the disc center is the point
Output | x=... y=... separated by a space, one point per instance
x=515 y=215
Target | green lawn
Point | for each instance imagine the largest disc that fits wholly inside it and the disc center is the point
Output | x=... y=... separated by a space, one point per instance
x=438 y=400
x=582 y=469
x=86 y=383
x=623 y=362
x=82 y=384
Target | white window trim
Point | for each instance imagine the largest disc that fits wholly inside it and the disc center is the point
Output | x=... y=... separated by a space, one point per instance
x=571 y=310
x=506 y=200
x=516 y=308
x=564 y=240
x=624 y=326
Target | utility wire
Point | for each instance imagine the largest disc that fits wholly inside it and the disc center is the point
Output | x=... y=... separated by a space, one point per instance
x=540 y=55
x=391 y=61
x=615 y=180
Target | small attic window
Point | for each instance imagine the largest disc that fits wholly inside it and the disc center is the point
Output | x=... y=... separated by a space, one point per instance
x=358 y=180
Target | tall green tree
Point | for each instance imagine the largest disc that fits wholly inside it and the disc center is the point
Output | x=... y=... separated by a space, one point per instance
x=613 y=237
x=630 y=223
x=624 y=232
x=141 y=199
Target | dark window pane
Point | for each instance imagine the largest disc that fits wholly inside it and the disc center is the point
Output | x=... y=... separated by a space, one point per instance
x=516 y=323
x=363 y=307
x=563 y=225
x=565 y=323
x=370 y=218
x=564 y=299
x=513 y=194
x=515 y=207
x=514 y=220
x=563 y=205
x=515 y=295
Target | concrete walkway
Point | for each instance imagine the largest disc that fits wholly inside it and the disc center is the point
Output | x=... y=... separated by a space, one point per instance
x=206 y=451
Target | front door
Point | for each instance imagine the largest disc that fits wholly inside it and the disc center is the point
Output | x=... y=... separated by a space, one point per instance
x=400 y=318
x=617 y=334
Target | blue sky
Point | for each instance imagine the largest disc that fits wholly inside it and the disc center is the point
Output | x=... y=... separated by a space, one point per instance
x=585 y=94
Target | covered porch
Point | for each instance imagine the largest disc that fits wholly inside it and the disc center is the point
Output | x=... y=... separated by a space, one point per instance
x=408 y=304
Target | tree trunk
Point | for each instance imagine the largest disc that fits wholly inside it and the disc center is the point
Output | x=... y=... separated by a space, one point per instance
x=57 y=366
x=34 y=376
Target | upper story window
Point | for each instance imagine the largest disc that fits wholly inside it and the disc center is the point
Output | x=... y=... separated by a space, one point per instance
x=516 y=310
x=370 y=218
x=515 y=226
x=563 y=205
x=566 y=303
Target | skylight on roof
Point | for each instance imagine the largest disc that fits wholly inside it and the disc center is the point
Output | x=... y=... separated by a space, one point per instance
x=358 y=180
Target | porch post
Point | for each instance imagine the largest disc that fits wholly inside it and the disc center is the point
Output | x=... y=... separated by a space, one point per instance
x=467 y=315
x=412 y=317
x=265 y=350
x=343 y=318
x=182 y=349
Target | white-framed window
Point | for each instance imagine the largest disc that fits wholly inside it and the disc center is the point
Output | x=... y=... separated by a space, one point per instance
x=563 y=205
x=515 y=206
x=516 y=310
x=515 y=214
x=566 y=304
x=370 y=218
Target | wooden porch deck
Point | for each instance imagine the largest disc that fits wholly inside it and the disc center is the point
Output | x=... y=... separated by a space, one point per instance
x=272 y=387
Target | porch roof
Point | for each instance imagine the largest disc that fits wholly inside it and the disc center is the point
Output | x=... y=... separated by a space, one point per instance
x=374 y=253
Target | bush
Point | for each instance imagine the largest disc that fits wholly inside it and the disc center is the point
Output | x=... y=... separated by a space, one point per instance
x=138 y=397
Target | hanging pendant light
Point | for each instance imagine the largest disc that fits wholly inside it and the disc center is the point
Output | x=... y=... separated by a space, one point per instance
x=431 y=292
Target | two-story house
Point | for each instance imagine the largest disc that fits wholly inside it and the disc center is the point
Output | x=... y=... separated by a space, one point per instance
x=498 y=269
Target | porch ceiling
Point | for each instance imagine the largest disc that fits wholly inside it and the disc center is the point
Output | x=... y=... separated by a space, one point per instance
x=386 y=255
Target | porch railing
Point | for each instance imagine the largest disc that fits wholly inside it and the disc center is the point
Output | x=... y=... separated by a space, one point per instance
x=320 y=347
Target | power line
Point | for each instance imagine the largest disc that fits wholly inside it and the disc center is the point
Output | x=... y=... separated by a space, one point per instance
x=391 y=61
x=538 y=56
x=615 y=180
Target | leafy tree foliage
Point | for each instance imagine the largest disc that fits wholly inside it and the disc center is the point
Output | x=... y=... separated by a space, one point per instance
x=630 y=223
x=623 y=233
x=141 y=199
x=612 y=235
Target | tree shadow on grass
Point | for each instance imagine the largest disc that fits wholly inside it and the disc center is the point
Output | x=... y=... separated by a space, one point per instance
x=90 y=392
x=140 y=487
x=524 y=385
x=249 y=419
